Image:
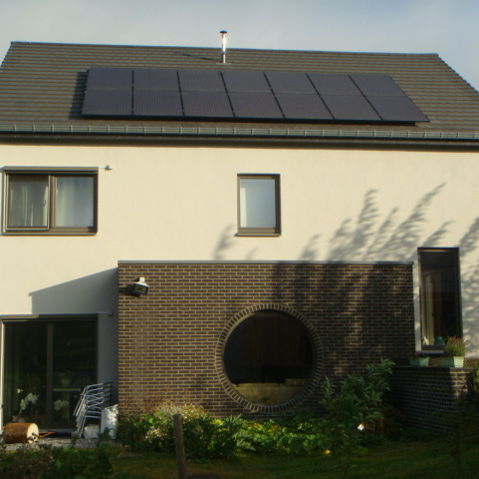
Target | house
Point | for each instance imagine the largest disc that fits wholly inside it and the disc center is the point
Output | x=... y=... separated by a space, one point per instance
x=290 y=215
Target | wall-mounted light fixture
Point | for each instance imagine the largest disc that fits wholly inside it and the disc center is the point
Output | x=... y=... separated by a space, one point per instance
x=137 y=288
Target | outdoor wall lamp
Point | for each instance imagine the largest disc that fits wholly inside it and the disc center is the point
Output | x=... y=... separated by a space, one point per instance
x=137 y=288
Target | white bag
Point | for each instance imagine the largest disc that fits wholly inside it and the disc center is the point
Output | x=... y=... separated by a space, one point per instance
x=109 y=418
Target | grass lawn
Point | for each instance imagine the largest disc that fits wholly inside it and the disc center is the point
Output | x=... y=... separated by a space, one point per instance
x=430 y=459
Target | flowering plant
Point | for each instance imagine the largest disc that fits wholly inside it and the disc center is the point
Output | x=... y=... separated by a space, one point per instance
x=59 y=404
x=30 y=398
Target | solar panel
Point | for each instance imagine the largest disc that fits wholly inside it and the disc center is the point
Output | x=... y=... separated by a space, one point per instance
x=201 y=80
x=148 y=79
x=206 y=104
x=350 y=108
x=303 y=107
x=247 y=95
x=246 y=81
x=397 y=108
x=107 y=102
x=377 y=85
x=109 y=78
x=333 y=84
x=157 y=103
x=285 y=82
x=255 y=105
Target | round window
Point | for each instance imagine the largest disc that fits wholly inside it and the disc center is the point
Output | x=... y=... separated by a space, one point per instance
x=268 y=357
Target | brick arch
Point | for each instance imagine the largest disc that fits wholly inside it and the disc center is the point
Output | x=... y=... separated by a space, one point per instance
x=317 y=365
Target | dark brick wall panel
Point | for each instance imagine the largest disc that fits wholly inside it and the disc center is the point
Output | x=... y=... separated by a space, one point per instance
x=169 y=338
x=430 y=397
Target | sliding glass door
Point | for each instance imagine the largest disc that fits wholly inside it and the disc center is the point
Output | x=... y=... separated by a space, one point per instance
x=46 y=365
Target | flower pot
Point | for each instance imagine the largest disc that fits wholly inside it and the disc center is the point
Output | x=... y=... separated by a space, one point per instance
x=452 y=361
x=419 y=361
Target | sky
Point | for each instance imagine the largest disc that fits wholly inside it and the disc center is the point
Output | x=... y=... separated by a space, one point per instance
x=446 y=27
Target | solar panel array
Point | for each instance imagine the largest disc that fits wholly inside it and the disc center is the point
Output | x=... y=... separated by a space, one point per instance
x=244 y=95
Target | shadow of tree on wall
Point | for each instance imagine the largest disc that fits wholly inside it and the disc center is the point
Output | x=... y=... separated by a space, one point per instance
x=225 y=242
x=369 y=238
x=470 y=285
x=366 y=239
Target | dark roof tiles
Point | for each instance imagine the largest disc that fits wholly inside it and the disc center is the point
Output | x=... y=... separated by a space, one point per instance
x=43 y=84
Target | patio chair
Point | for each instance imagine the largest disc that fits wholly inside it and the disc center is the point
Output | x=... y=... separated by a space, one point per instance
x=93 y=399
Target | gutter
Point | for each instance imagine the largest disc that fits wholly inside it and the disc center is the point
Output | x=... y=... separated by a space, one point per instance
x=234 y=132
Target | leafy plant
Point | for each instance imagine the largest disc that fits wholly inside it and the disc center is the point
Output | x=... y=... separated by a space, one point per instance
x=85 y=463
x=352 y=408
x=300 y=433
x=455 y=346
x=56 y=463
x=25 y=463
x=206 y=437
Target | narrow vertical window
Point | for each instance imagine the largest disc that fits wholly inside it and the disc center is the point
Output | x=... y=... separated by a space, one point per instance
x=258 y=205
x=439 y=294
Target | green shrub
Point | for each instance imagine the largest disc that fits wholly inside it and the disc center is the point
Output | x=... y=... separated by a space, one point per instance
x=204 y=436
x=300 y=433
x=263 y=436
x=154 y=431
x=25 y=463
x=55 y=463
x=352 y=408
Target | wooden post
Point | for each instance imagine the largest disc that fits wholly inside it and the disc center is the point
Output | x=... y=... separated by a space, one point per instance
x=179 y=446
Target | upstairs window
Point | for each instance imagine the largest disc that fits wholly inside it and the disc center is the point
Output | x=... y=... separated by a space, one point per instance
x=258 y=205
x=50 y=202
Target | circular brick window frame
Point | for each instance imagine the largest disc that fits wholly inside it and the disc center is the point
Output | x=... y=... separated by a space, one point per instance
x=316 y=369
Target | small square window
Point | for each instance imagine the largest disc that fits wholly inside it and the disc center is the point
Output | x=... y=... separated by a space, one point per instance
x=258 y=205
x=50 y=202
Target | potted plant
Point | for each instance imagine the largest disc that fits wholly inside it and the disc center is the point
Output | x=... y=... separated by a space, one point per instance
x=454 y=352
x=420 y=359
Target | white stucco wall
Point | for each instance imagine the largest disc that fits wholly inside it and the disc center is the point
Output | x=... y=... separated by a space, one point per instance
x=169 y=203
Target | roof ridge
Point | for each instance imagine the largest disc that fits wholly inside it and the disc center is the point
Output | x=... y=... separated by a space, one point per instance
x=215 y=49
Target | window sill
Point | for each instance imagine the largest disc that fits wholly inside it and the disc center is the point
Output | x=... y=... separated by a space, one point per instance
x=254 y=234
x=49 y=233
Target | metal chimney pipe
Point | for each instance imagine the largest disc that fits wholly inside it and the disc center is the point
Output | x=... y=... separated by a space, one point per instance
x=223 y=43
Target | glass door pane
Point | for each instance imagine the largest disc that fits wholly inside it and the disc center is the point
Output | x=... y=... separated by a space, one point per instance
x=73 y=365
x=46 y=366
x=25 y=372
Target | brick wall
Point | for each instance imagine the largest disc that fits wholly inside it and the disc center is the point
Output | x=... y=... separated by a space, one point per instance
x=171 y=340
x=428 y=396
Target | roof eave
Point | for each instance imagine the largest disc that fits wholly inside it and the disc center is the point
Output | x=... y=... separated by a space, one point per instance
x=237 y=132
